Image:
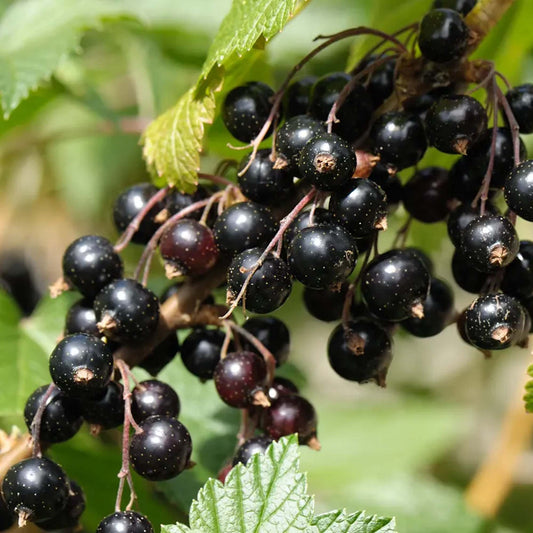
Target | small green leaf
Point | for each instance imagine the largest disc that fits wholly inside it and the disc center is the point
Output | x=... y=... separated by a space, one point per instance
x=528 y=396
x=340 y=522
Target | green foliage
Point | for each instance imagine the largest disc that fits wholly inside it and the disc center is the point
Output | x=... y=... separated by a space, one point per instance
x=528 y=396
x=270 y=494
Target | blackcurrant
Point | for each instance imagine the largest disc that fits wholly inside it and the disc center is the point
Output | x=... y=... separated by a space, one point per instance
x=163 y=450
x=489 y=242
x=293 y=136
x=518 y=277
x=244 y=225
x=422 y=256
x=90 y=263
x=380 y=82
x=240 y=379
x=61 y=418
x=107 y=411
x=125 y=522
x=81 y=365
x=521 y=101
x=81 y=319
x=361 y=352
x=460 y=217
x=161 y=355
x=394 y=285
x=262 y=183
x=389 y=183
x=518 y=190
x=281 y=387
x=153 y=397
x=462 y=6
x=465 y=275
x=321 y=217
x=528 y=307
x=454 y=123
x=246 y=109
x=130 y=203
x=200 y=351
x=443 y=35
x=327 y=161
x=68 y=518
x=298 y=96
x=126 y=311
x=466 y=179
x=176 y=201
x=35 y=489
x=360 y=206
x=250 y=448
x=188 y=248
x=272 y=333
x=399 y=139
x=325 y=304
x=322 y=257
x=270 y=284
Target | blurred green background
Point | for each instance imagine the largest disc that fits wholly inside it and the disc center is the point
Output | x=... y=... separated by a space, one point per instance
x=409 y=450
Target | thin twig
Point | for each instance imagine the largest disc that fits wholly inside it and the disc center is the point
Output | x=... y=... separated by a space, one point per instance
x=37 y=421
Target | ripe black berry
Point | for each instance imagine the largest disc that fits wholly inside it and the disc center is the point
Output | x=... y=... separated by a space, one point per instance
x=294 y=135
x=460 y=217
x=129 y=204
x=325 y=304
x=518 y=190
x=126 y=311
x=271 y=332
x=35 y=489
x=240 y=379
x=264 y=184
x=521 y=101
x=360 y=206
x=321 y=217
x=125 y=522
x=394 y=285
x=200 y=351
x=466 y=276
x=462 y=6
x=153 y=397
x=269 y=286
x=162 y=450
x=380 y=82
x=81 y=319
x=176 y=201
x=106 y=411
x=489 y=242
x=246 y=109
x=81 y=365
x=518 y=277
x=244 y=225
x=327 y=161
x=466 y=179
x=321 y=257
x=161 y=355
x=251 y=447
x=298 y=96
x=188 y=248
x=67 y=518
x=455 y=122
x=61 y=418
x=421 y=256
x=360 y=353
x=389 y=183
x=399 y=139
x=494 y=322
x=90 y=263
x=443 y=35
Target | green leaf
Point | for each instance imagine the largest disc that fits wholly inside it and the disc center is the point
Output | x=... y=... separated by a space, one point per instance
x=528 y=397
x=340 y=522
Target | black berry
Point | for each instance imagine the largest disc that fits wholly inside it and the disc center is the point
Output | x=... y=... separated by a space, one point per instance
x=294 y=135
x=465 y=275
x=518 y=278
x=518 y=190
x=200 y=351
x=125 y=522
x=325 y=304
x=271 y=332
x=321 y=217
x=161 y=355
x=81 y=319
x=380 y=82
x=389 y=183
x=281 y=387
x=521 y=101
x=462 y=6
x=460 y=217
x=251 y=447
x=176 y=201
x=67 y=518
x=153 y=397
x=298 y=96
x=106 y=411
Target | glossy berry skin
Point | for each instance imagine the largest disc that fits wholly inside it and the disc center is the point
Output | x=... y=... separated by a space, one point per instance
x=106 y=411
x=489 y=242
x=272 y=333
x=466 y=180
x=426 y=196
x=494 y=322
x=462 y=6
x=125 y=522
x=264 y=184
x=294 y=135
x=61 y=418
x=67 y=518
x=175 y=201
x=362 y=355
x=36 y=488
x=321 y=217
x=354 y=114
x=455 y=122
x=269 y=286
x=399 y=139
x=322 y=257
x=153 y=397
x=163 y=450
x=90 y=263
x=239 y=376
x=325 y=304
x=466 y=276
x=298 y=96
x=129 y=204
x=188 y=248
x=243 y=225
x=281 y=387
x=126 y=311
x=438 y=311
x=381 y=81
x=200 y=351
x=518 y=190
x=246 y=109
x=389 y=183
x=81 y=319
x=521 y=101
x=394 y=285
x=250 y=448
x=161 y=355
x=360 y=206
x=461 y=216
x=81 y=365
x=443 y=35
x=518 y=277
x=290 y=414
x=419 y=254
x=327 y=161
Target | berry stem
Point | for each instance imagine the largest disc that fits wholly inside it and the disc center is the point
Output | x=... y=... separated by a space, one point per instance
x=37 y=421
x=402 y=234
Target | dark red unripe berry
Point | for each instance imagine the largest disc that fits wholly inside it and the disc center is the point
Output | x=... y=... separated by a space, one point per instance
x=125 y=522
x=153 y=397
x=281 y=387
